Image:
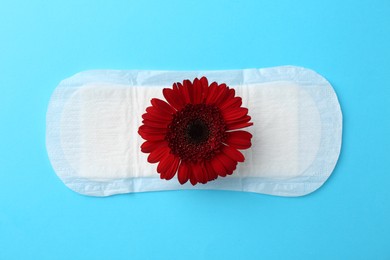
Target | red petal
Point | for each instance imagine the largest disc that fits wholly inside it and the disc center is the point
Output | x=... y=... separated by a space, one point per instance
x=239 y=139
x=212 y=92
x=153 y=117
x=184 y=93
x=205 y=84
x=233 y=154
x=198 y=172
x=197 y=91
x=220 y=94
x=204 y=174
x=175 y=88
x=190 y=90
x=159 y=113
x=162 y=105
x=225 y=93
x=157 y=154
x=235 y=114
x=234 y=122
x=173 y=169
x=177 y=93
x=228 y=163
x=183 y=173
x=238 y=125
x=150 y=136
x=153 y=130
x=231 y=103
x=165 y=163
x=168 y=166
x=211 y=174
x=218 y=167
x=156 y=124
x=232 y=169
x=173 y=98
x=228 y=95
x=148 y=146
x=193 y=179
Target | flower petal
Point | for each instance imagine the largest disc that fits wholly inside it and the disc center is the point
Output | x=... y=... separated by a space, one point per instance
x=229 y=94
x=162 y=105
x=152 y=130
x=204 y=173
x=151 y=136
x=173 y=169
x=231 y=104
x=161 y=114
x=184 y=93
x=190 y=90
x=238 y=125
x=230 y=172
x=212 y=92
x=197 y=91
x=165 y=163
x=235 y=114
x=228 y=163
x=218 y=167
x=156 y=124
x=173 y=98
x=169 y=165
x=211 y=174
x=239 y=139
x=156 y=155
x=193 y=178
x=148 y=146
x=233 y=153
x=156 y=118
x=220 y=93
x=231 y=124
x=198 y=172
x=205 y=84
x=183 y=173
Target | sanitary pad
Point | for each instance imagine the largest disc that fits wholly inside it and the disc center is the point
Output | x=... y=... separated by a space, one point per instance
x=93 y=119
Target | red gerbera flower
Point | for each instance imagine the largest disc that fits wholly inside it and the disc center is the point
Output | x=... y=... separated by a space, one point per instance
x=195 y=133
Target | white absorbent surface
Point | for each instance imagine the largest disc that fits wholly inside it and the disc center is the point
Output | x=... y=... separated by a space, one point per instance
x=93 y=119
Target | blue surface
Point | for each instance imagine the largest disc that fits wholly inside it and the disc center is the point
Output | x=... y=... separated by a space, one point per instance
x=43 y=42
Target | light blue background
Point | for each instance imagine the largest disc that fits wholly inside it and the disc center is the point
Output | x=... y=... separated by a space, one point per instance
x=43 y=42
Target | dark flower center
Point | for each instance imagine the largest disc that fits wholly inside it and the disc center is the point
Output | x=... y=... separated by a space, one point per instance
x=197 y=132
